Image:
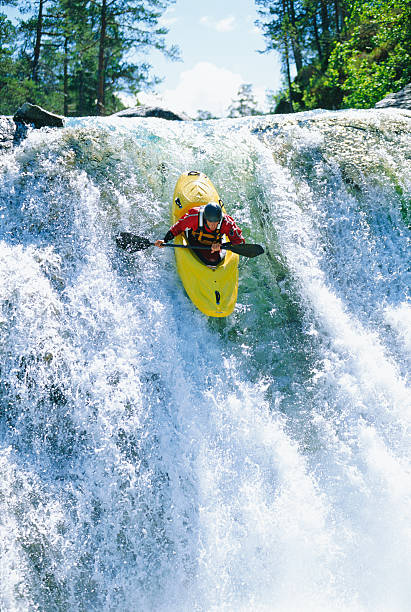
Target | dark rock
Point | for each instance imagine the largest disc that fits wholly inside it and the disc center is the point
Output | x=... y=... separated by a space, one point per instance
x=7 y=130
x=283 y=107
x=401 y=99
x=14 y=129
x=152 y=111
x=37 y=116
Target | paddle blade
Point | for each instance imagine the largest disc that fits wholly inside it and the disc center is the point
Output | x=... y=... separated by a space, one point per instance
x=247 y=250
x=131 y=243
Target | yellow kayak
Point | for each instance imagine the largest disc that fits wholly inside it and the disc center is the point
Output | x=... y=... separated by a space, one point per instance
x=213 y=289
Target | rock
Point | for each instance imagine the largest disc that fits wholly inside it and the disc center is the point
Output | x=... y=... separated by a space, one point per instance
x=7 y=130
x=401 y=99
x=152 y=111
x=283 y=107
x=14 y=129
x=30 y=113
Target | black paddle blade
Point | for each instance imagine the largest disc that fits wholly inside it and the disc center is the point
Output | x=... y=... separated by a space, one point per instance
x=131 y=243
x=247 y=250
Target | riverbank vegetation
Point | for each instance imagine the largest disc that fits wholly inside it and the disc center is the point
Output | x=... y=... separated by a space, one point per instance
x=337 y=53
x=73 y=56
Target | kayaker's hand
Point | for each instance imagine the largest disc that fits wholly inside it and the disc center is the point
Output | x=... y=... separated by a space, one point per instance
x=215 y=247
x=159 y=243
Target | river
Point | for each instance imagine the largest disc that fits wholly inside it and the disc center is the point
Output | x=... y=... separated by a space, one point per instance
x=154 y=459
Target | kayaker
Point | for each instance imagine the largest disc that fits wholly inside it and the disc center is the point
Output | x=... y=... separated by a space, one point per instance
x=205 y=226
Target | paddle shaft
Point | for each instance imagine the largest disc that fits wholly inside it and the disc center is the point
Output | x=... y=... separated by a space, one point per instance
x=188 y=246
x=247 y=250
x=132 y=243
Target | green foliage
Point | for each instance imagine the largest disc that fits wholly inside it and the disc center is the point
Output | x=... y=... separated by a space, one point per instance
x=13 y=88
x=375 y=59
x=322 y=90
x=354 y=52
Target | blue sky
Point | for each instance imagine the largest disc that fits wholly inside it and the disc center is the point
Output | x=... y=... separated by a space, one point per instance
x=219 y=43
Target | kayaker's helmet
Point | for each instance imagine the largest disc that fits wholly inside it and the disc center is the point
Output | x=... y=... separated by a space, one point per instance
x=213 y=212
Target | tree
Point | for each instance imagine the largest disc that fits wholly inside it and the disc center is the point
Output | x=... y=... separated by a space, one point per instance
x=126 y=25
x=75 y=55
x=280 y=21
x=374 y=58
x=15 y=87
x=245 y=104
x=345 y=52
x=7 y=65
x=204 y=115
x=37 y=46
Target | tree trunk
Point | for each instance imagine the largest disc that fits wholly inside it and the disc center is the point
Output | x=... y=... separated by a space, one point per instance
x=101 y=71
x=343 y=14
x=287 y=57
x=37 y=44
x=81 y=105
x=317 y=37
x=325 y=21
x=287 y=60
x=65 y=77
x=325 y=27
x=295 y=42
x=337 y=17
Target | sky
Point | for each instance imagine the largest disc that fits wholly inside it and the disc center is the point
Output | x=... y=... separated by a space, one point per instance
x=218 y=41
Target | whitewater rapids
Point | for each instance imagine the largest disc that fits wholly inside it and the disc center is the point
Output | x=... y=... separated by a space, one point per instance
x=152 y=459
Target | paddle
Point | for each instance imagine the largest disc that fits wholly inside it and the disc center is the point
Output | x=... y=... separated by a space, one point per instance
x=132 y=243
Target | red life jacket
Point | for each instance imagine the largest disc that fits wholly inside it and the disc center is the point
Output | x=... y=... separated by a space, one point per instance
x=203 y=234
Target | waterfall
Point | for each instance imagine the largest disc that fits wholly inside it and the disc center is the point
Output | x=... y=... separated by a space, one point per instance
x=154 y=459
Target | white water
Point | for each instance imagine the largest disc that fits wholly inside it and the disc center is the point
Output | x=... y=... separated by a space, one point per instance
x=153 y=459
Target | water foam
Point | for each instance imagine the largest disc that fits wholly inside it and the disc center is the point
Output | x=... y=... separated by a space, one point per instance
x=155 y=460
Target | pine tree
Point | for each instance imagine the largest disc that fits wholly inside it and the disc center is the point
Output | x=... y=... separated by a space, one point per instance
x=245 y=104
x=124 y=26
x=204 y=115
x=78 y=54
x=303 y=32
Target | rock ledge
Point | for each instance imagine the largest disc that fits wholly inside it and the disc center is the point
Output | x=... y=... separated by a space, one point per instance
x=152 y=111
x=401 y=99
x=37 y=116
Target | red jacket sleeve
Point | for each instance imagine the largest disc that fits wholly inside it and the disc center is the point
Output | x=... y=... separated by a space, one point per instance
x=187 y=221
x=231 y=230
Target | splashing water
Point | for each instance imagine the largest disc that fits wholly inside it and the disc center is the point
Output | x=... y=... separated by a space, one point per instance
x=154 y=459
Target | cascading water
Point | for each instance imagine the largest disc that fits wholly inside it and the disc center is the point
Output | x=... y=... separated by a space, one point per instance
x=154 y=459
